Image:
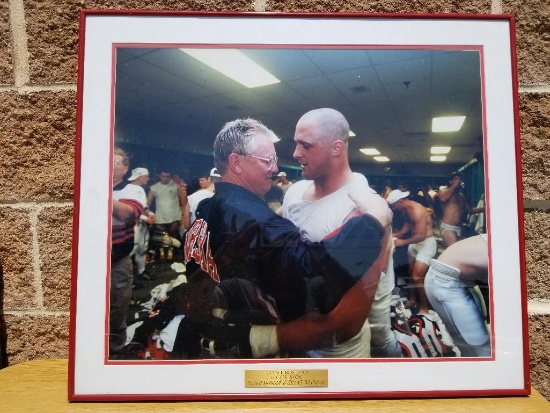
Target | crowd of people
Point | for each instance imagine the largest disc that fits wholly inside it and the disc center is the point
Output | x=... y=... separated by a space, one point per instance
x=304 y=268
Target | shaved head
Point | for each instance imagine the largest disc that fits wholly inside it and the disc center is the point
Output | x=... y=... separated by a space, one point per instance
x=329 y=124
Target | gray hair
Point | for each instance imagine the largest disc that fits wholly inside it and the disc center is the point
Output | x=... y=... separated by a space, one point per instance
x=237 y=137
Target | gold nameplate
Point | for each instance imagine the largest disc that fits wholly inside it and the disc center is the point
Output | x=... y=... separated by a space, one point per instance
x=285 y=378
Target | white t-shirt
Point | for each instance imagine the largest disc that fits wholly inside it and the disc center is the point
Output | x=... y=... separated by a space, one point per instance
x=317 y=219
x=130 y=191
x=194 y=200
x=167 y=203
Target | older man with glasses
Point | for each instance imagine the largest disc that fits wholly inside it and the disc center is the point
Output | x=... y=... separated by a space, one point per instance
x=128 y=205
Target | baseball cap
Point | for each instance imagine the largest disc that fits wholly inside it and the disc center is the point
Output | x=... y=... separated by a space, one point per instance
x=281 y=174
x=396 y=195
x=136 y=173
x=214 y=172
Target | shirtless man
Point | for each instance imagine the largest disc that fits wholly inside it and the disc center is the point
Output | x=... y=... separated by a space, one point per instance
x=454 y=206
x=422 y=244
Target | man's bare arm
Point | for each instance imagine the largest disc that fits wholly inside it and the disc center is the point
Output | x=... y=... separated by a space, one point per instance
x=445 y=194
x=182 y=196
x=150 y=198
x=404 y=230
x=186 y=217
x=476 y=210
x=341 y=324
x=418 y=218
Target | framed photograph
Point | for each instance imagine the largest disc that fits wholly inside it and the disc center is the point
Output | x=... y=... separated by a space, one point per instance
x=175 y=297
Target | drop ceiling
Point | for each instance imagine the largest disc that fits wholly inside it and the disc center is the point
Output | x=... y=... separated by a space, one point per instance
x=165 y=98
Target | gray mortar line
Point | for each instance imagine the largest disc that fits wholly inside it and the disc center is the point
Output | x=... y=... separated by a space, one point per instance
x=33 y=205
x=538 y=88
x=36 y=261
x=22 y=313
x=538 y=307
x=533 y=204
x=19 y=38
x=260 y=5
x=58 y=87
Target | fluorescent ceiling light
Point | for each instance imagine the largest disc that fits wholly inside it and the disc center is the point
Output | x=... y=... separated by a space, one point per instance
x=235 y=65
x=351 y=134
x=370 y=151
x=438 y=158
x=447 y=124
x=381 y=158
x=440 y=150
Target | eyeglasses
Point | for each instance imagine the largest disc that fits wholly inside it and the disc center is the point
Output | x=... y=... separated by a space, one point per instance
x=270 y=162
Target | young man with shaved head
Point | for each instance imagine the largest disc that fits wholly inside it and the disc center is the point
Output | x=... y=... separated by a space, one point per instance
x=320 y=205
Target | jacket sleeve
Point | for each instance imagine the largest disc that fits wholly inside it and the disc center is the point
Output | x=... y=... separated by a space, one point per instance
x=289 y=265
x=350 y=250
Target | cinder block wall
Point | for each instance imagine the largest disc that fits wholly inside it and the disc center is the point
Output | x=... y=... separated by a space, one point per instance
x=38 y=69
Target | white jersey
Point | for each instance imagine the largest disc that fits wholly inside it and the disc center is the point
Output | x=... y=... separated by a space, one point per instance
x=130 y=191
x=167 y=203
x=317 y=219
x=194 y=200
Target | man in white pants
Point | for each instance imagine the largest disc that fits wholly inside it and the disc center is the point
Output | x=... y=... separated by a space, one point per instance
x=140 y=177
x=448 y=287
x=321 y=204
x=422 y=246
